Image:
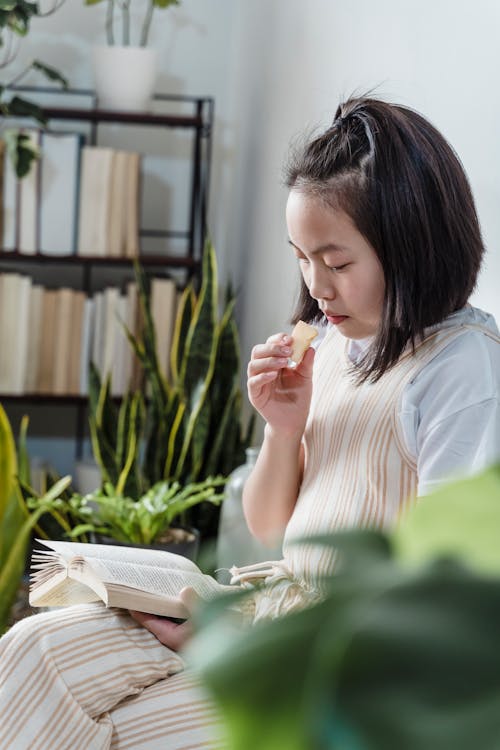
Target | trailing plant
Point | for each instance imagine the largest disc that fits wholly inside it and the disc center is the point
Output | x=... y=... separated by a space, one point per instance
x=15 y=18
x=190 y=426
x=401 y=653
x=124 y=7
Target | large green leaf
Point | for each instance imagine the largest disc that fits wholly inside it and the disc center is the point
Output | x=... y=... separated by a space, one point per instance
x=182 y=322
x=8 y=462
x=462 y=518
x=200 y=346
x=392 y=658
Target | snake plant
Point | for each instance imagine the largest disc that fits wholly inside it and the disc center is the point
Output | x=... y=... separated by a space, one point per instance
x=16 y=521
x=189 y=427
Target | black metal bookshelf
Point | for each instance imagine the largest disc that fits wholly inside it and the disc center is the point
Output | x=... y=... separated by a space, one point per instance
x=169 y=111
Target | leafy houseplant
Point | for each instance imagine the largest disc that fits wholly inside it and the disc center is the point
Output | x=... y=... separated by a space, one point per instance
x=401 y=653
x=15 y=20
x=190 y=427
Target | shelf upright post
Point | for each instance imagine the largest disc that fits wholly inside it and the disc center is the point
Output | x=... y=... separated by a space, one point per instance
x=195 y=230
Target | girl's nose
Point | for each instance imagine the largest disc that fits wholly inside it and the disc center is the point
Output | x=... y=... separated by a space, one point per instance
x=321 y=283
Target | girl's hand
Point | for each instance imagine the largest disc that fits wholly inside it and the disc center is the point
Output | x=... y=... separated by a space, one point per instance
x=172 y=634
x=281 y=394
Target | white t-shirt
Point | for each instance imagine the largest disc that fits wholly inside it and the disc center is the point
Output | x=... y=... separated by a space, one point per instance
x=450 y=412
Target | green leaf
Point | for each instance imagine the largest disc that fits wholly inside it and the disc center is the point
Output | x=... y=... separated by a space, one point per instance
x=8 y=464
x=51 y=73
x=460 y=520
x=24 y=108
x=165 y=3
x=391 y=658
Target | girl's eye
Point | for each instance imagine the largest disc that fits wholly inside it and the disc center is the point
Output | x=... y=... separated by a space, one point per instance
x=338 y=268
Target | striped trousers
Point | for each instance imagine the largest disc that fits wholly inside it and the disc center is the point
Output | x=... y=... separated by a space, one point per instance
x=91 y=678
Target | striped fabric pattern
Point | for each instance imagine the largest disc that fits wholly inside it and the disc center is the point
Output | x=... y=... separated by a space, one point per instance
x=357 y=471
x=91 y=678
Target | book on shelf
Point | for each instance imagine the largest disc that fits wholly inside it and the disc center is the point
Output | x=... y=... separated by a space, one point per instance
x=132 y=209
x=94 y=203
x=14 y=321
x=34 y=334
x=59 y=192
x=86 y=344
x=76 y=342
x=163 y=309
x=9 y=203
x=118 y=205
x=29 y=198
x=128 y=577
x=46 y=352
x=62 y=340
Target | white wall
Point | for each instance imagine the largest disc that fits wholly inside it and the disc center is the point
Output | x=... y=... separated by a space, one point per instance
x=276 y=67
x=440 y=57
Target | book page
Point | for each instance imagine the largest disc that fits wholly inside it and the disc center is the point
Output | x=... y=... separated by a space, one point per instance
x=156 y=580
x=149 y=557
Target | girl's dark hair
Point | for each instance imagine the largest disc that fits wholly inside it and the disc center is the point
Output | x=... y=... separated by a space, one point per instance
x=406 y=191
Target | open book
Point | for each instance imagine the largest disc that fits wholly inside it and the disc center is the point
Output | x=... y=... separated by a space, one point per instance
x=142 y=579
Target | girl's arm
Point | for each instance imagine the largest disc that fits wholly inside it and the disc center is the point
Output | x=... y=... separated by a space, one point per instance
x=282 y=396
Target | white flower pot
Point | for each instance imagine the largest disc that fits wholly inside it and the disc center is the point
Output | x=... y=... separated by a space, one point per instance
x=125 y=77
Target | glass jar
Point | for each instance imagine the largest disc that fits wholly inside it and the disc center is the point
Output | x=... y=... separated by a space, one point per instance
x=235 y=544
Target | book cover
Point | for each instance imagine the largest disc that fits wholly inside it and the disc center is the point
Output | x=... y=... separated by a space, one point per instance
x=163 y=308
x=76 y=342
x=14 y=304
x=94 y=204
x=9 y=204
x=62 y=340
x=132 y=210
x=118 y=204
x=59 y=192
x=86 y=344
x=34 y=334
x=45 y=376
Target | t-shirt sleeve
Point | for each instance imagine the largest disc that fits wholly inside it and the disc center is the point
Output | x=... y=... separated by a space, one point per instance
x=460 y=445
x=450 y=414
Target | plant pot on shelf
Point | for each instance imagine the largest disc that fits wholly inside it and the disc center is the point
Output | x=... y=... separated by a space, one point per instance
x=124 y=77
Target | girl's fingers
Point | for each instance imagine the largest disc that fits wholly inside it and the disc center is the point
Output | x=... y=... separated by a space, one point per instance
x=266 y=364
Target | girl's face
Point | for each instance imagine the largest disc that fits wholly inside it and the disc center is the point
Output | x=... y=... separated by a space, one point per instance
x=339 y=267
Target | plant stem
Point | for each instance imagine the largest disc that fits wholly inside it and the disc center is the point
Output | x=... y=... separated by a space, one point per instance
x=56 y=5
x=146 y=25
x=109 y=22
x=125 y=6
x=11 y=49
x=20 y=75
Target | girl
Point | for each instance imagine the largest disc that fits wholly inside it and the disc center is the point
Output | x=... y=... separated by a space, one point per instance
x=403 y=395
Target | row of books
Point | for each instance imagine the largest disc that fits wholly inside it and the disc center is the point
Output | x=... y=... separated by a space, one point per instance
x=76 y=199
x=49 y=336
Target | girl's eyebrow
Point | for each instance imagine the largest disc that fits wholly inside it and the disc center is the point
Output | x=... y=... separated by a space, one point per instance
x=329 y=247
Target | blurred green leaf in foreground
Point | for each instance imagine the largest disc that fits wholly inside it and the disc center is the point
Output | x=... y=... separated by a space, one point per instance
x=403 y=653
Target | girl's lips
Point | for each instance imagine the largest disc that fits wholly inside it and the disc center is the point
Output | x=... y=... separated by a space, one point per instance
x=336 y=319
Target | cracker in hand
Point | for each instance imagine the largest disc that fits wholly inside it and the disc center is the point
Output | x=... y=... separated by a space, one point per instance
x=303 y=334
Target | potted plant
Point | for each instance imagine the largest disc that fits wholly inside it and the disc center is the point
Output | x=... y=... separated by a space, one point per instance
x=125 y=70
x=110 y=517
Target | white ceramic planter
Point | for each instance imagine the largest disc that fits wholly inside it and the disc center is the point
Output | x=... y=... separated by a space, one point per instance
x=124 y=77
